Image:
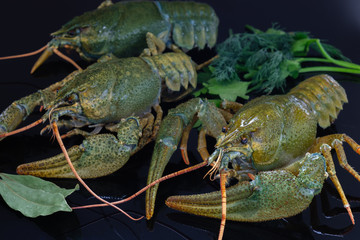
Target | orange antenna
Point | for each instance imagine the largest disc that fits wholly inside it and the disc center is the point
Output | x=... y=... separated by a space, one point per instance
x=186 y=170
x=25 y=54
x=223 y=203
x=58 y=137
x=48 y=52
x=22 y=129
x=66 y=58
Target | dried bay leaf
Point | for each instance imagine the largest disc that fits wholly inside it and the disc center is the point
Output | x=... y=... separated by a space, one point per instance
x=33 y=196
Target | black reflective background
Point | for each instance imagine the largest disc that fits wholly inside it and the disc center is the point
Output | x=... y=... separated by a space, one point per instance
x=26 y=25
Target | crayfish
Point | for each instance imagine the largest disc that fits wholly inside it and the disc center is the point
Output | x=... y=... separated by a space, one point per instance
x=125 y=29
x=116 y=94
x=270 y=147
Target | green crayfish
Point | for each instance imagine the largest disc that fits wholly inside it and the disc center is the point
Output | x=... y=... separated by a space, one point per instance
x=116 y=94
x=125 y=29
x=270 y=147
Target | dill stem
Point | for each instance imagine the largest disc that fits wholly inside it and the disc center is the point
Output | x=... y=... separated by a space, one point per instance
x=313 y=59
x=334 y=61
x=329 y=69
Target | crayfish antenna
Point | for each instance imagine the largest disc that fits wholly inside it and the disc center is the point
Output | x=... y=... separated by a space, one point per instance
x=183 y=171
x=22 y=129
x=25 y=54
x=223 y=203
x=66 y=58
x=58 y=137
x=47 y=53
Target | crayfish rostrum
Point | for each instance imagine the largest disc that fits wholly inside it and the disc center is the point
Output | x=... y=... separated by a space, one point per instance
x=270 y=147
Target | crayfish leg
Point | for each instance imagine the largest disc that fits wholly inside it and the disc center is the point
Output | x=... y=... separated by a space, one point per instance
x=155 y=45
x=202 y=145
x=17 y=112
x=330 y=169
x=325 y=144
x=184 y=141
x=157 y=122
x=151 y=128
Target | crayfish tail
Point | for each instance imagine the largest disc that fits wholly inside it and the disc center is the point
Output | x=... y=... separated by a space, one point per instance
x=324 y=95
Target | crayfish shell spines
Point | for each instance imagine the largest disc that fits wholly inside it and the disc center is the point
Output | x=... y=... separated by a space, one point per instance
x=323 y=95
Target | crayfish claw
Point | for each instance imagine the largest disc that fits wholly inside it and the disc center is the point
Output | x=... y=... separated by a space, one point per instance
x=53 y=167
x=98 y=155
x=210 y=204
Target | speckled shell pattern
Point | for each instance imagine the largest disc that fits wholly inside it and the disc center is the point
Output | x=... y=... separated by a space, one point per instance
x=121 y=87
x=272 y=195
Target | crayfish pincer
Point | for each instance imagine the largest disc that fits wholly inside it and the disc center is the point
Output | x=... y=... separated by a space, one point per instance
x=270 y=148
x=125 y=29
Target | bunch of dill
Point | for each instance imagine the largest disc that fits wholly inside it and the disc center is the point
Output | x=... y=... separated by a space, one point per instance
x=261 y=61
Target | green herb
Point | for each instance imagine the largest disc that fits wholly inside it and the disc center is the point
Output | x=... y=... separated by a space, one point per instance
x=33 y=196
x=262 y=61
x=228 y=90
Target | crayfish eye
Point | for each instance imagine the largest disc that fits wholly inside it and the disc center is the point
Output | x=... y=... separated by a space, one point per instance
x=244 y=140
x=224 y=129
x=73 y=32
x=77 y=31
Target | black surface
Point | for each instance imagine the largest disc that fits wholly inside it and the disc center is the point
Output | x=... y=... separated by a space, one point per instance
x=25 y=26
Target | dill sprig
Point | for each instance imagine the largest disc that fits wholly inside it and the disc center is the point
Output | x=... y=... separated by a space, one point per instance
x=262 y=61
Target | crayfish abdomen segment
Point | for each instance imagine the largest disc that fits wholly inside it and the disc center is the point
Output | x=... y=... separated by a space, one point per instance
x=175 y=69
x=323 y=95
x=193 y=24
